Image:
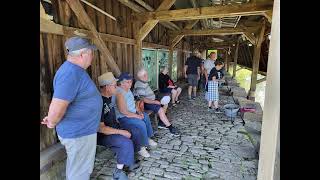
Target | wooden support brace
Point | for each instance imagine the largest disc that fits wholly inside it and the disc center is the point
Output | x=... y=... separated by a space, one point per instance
x=84 y=19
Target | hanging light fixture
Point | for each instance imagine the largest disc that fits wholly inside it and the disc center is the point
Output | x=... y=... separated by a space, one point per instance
x=249 y=44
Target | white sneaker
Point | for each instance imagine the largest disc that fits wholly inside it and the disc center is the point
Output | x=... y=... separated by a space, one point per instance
x=152 y=143
x=143 y=152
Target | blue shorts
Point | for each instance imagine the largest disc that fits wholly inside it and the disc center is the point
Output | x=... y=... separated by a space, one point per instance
x=166 y=90
x=153 y=107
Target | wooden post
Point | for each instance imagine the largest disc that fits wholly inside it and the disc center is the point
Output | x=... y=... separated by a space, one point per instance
x=138 y=56
x=255 y=63
x=170 y=61
x=141 y=33
x=137 y=48
x=235 y=60
x=84 y=19
x=269 y=153
x=228 y=61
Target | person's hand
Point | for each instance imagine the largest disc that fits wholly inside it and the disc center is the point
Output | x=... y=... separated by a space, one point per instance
x=198 y=78
x=125 y=133
x=139 y=116
x=45 y=121
x=186 y=76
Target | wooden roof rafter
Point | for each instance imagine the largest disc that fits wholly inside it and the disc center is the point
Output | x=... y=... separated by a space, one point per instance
x=138 y=9
x=248 y=9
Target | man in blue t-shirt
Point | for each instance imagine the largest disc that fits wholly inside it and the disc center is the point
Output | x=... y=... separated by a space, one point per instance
x=75 y=109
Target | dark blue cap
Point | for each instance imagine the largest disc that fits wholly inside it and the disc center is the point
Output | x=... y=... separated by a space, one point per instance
x=125 y=76
x=77 y=43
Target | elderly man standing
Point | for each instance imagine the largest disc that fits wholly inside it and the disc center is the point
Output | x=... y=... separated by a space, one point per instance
x=75 y=109
x=142 y=89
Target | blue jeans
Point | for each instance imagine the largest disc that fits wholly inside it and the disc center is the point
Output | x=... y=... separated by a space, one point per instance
x=121 y=146
x=144 y=125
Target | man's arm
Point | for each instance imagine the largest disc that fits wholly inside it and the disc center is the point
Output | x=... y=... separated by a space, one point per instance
x=206 y=75
x=150 y=101
x=57 y=110
x=123 y=107
x=109 y=130
x=198 y=69
x=185 y=70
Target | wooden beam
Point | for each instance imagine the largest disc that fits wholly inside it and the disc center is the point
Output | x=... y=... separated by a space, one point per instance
x=146 y=28
x=250 y=37
x=149 y=25
x=145 y=5
x=268 y=15
x=178 y=38
x=170 y=61
x=132 y=5
x=221 y=31
x=235 y=60
x=154 y=46
x=204 y=22
x=98 y=9
x=43 y=13
x=191 y=24
x=248 y=9
x=47 y=26
x=138 y=9
x=227 y=61
x=261 y=80
x=255 y=63
x=269 y=155
x=138 y=56
x=84 y=19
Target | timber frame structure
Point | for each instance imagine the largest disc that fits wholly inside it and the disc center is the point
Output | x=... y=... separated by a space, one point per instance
x=239 y=29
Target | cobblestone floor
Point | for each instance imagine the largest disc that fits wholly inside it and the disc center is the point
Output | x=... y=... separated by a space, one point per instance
x=208 y=148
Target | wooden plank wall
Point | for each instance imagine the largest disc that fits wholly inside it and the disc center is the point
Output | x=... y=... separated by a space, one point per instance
x=53 y=54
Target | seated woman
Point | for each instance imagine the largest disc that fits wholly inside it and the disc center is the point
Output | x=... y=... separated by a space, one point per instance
x=128 y=116
x=166 y=85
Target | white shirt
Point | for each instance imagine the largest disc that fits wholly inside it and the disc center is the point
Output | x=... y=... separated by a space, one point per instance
x=208 y=65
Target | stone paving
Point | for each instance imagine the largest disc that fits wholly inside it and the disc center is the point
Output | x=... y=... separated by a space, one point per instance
x=210 y=147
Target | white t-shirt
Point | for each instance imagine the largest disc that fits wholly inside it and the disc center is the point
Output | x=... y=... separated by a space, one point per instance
x=208 y=65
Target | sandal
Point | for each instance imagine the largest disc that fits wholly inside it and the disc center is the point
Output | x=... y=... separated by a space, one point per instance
x=178 y=102
x=174 y=104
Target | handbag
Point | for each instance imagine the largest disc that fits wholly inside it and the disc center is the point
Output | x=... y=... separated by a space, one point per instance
x=140 y=106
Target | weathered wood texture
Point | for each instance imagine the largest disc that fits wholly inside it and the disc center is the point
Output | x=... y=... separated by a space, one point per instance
x=53 y=54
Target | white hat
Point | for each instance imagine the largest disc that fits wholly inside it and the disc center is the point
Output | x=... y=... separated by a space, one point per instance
x=106 y=79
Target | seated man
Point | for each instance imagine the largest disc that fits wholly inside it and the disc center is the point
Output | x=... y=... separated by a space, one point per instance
x=143 y=90
x=166 y=85
x=110 y=135
x=128 y=116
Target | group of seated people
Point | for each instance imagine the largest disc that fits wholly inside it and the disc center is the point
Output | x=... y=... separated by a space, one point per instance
x=124 y=127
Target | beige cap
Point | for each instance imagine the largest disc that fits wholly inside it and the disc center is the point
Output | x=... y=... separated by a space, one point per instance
x=106 y=79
